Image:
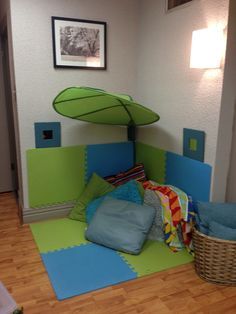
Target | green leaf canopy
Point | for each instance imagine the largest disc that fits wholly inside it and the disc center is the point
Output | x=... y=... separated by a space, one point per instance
x=97 y=106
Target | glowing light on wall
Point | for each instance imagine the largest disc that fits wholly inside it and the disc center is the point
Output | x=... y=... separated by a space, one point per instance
x=207 y=48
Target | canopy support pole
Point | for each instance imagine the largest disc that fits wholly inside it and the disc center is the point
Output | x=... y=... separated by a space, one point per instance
x=131 y=135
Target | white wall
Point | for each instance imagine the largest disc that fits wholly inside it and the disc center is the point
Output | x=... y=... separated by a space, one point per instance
x=148 y=57
x=37 y=82
x=227 y=119
x=184 y=97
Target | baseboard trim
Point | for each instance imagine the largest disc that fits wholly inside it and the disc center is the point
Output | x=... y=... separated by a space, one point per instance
x=38 y=214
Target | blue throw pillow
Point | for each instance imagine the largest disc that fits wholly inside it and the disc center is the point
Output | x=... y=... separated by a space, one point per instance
x=121 y=225
x=222 y=232
x=128 y=192
x=223 y=213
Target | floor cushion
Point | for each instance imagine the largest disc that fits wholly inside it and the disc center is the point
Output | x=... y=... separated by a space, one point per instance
x=121 y=225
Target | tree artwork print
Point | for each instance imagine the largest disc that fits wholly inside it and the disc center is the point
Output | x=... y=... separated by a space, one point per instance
x=79 y=43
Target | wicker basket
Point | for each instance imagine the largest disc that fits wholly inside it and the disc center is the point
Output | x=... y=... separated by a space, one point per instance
x=215 y=259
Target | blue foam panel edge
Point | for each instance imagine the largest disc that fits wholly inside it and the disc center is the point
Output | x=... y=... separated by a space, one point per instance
x=109 y=159
x=85 y=268
x=192 y=176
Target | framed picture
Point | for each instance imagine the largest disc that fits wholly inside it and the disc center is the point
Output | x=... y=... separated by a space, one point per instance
x=79 y=43
x=171 y=4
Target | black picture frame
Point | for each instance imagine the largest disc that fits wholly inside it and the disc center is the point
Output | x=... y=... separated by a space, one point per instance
x=79 y=43
x=171 y=4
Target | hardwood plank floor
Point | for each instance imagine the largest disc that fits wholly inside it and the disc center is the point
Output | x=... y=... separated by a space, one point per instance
x=178 y=290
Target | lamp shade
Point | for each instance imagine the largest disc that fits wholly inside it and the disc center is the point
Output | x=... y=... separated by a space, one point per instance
x=207 y=47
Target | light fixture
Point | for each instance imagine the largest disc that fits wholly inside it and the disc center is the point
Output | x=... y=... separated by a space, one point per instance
x=207 y=48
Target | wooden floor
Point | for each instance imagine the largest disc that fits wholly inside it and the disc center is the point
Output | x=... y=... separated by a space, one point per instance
x=178 y=290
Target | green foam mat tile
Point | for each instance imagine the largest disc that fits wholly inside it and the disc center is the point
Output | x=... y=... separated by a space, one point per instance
x=58 y=234
x=55 y=175
x=154 y=257
x=154 y=160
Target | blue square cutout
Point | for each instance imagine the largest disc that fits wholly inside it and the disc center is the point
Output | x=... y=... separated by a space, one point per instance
x=194 y=144
x=85 y=268
x=47 y=134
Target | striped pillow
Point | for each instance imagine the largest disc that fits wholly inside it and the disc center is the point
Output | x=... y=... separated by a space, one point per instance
x=135 y=173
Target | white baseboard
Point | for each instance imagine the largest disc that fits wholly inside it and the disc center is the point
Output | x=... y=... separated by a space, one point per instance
x=38 y=214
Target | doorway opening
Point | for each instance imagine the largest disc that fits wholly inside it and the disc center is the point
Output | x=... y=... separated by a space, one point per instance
x=9 y=178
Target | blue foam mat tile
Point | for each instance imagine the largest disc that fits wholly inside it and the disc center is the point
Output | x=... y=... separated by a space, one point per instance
x=192 y=176
x=110 y=158
x=85 y=268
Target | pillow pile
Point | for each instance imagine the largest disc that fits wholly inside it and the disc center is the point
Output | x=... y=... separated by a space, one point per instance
x=98 y=187
x=116 y=216
x=217 y=219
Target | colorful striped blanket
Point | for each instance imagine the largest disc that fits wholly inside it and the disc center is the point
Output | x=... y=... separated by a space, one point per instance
x=178 y=215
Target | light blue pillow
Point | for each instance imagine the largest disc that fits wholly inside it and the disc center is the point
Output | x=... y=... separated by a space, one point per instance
x=120 y=225
x=128 y=192
x=220 y=231
x=223 y=213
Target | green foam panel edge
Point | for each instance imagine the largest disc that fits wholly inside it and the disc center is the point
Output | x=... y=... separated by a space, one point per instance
x=55 y=175
x=154 y=160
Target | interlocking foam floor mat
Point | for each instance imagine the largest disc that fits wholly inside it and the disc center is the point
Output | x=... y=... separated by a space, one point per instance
x=76 y=266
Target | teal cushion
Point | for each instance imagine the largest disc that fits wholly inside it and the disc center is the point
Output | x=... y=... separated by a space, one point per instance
x=128 y=192
x=121 y=225
x=224 y=213
x=220 y=231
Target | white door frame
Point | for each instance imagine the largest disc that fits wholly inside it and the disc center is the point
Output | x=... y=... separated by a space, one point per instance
x=6 y=175
x=6 y=27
